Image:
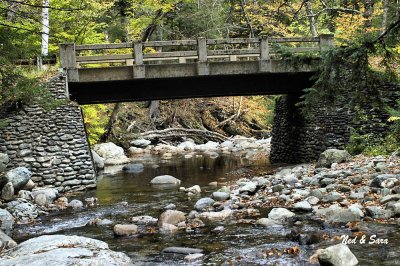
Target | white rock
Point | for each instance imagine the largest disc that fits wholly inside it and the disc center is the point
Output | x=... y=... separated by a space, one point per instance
x=337 y=255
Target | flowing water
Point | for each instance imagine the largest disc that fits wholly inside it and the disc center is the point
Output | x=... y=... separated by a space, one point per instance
x=124 y=195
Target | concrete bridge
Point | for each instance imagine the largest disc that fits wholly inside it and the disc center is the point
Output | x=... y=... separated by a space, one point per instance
x=103 y=73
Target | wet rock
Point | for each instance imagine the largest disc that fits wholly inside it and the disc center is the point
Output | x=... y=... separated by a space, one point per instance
x=330 y=156
x=220 y=196
x=280 y=215
x=219 y=229
x=100 y=222
x=75 y=204
x=7 y=193
x=125 y=229
x=146 y=220
x=171 y=217
x=133 y=168
x=378 y=181
x=182 y=250
x=170 y=206
x=194 y=189
x=141 y=143
x=6 y=221
x=187 y=145
x=4 y=160
x=337 y=255
x=248 y=187
x=216 y=216
x=165 y=179
x=193 y=257
x=23 y=210
x=18 y=177
x=203 y=203
x=64 y=250
x=97 y=160
x=168 y=229
x=6 y=242
x=378 y=213
x=302 y=206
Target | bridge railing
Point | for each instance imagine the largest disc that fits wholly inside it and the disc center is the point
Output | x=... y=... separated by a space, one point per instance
x=201 y=50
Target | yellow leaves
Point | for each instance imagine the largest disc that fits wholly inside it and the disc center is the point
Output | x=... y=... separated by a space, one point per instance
x=393 y=118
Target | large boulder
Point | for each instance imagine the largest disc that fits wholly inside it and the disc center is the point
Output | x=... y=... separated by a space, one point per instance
x=6 y=221
x=19 y=177
x=60 y=250
x=97 y=160
x=4 y=160
x=23 y=210
x=171 y=217
x=330 y=156
x=337 y=255
x=165 y=180
x=111 y=153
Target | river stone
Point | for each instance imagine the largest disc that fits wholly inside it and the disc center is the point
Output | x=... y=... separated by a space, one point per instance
x=378 y=213
x=330 y=156
x=147 y=220
x=30 y=185
x=24 y=211
x=165 y=179
x=332 y=197
x=60 y=250
x=25 y=194
x=182 y=250
x=203 y=203
x=168 y=229
x=340 y=215
x=302 y=206
x=6 y=242
x=125 y=229
x=187 y=145
x=378 y=181
x=290 y=179
x=280 y=215
x=267 y=222
x=337 y=255
x=97 y=160
x=220 y=196
x=18 y=177
x=48 y=194
x=171 y=217
x=141 y=143
x=248 y=187
x=393 y=197
x=4 y=160
x=75 y=204
x=312 y=200
x=6 y=221
x=7 y=193
x=216 y=216
x=133 y=168
x=194 y=189
x=99 y=222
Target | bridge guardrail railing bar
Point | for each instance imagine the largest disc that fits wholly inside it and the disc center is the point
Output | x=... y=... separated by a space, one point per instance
x=201 y=51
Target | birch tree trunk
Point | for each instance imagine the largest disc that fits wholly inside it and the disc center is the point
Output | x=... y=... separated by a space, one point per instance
x=311 y=18
x=45 y=28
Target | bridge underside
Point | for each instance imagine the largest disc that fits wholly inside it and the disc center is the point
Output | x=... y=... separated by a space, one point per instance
x=92 y=92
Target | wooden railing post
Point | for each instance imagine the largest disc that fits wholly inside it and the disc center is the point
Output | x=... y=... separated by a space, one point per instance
x=265 y=63
x=68 y=61
x=202 y=64
x=139 y=70
x=326 y=42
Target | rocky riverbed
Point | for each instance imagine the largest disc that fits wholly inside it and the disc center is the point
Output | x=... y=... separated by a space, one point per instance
x=341 y=211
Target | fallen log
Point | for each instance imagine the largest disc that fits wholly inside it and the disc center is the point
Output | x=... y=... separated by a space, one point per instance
x=173 y=133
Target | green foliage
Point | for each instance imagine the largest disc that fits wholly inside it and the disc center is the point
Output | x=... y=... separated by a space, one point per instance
x=95 y=121
x=372 y=145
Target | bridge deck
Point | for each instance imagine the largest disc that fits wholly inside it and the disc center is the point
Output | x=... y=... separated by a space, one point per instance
x=172 y=69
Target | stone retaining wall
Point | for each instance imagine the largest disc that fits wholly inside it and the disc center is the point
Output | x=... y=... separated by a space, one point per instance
x=52 y=144
x=296 y=139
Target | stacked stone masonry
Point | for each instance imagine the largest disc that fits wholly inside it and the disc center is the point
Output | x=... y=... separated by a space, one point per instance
x=299 y=139
x=52 y=144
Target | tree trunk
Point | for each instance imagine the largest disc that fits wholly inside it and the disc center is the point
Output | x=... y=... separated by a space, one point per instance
x=154 y=111
x=311 y=18
x=368 y=6
x=242 y=5
x=385 y=15
x=45 y=28
x=111 y=121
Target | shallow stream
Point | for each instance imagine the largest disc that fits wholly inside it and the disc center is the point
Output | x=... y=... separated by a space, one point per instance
x=122 y=195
